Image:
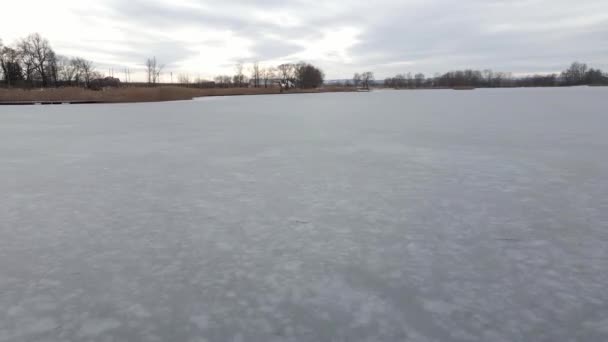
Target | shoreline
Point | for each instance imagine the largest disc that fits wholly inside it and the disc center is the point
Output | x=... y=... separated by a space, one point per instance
x=62 y=96
x=66 y=96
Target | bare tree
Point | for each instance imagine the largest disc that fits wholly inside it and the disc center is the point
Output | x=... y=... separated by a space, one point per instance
x=268 y=74
x=85 y=71
x=419 y=79
x=298 y=71
x=308 y=76
x=409 y=80
x=239 y=77
x=488 y=75
x=223 y=81
x=183 y=78
x=400 y=81
x=10 y=65
x=356 y=79
x=286 y=72
x=218 y=81
x=127 y=75
x=262 y=76
x=150 y=69
x=53 y=70
x=256 y=74
x=575 y=74
x=39 y=56
x=159 y=69
x=1 y=68
x=366 y=78
x=227 y=80
x=153 y=70
x=66 y=70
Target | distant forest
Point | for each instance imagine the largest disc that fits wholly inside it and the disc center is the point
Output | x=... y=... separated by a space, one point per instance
x=31 y=62
x=576 y=74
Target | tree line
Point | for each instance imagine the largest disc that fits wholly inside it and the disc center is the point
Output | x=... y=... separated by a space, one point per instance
x=31 y=61
x=288 y=75
x=576 y=74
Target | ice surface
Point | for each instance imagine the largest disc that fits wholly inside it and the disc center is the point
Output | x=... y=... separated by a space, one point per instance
x=385 y=216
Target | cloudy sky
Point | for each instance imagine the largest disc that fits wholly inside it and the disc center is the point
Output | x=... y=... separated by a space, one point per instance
x=207 y=37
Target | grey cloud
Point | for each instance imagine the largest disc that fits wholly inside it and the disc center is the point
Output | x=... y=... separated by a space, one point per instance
x=441 y=37
x=433 y=35
x=272 y=49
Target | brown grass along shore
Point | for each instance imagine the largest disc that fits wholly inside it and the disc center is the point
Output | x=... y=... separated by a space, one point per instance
x=139 y=94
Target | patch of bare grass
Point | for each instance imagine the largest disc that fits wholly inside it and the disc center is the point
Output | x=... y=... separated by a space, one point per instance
x=140 y=94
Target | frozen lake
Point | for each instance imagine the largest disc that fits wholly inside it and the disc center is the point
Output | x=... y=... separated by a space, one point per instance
x=385 y=216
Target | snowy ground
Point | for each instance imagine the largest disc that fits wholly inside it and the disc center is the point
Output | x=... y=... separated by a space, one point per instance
x=386 y=216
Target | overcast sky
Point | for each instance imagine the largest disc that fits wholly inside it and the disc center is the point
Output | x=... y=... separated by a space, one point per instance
x=207 y=38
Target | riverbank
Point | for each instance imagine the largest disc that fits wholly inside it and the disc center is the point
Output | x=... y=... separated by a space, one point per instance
x=137 y=94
